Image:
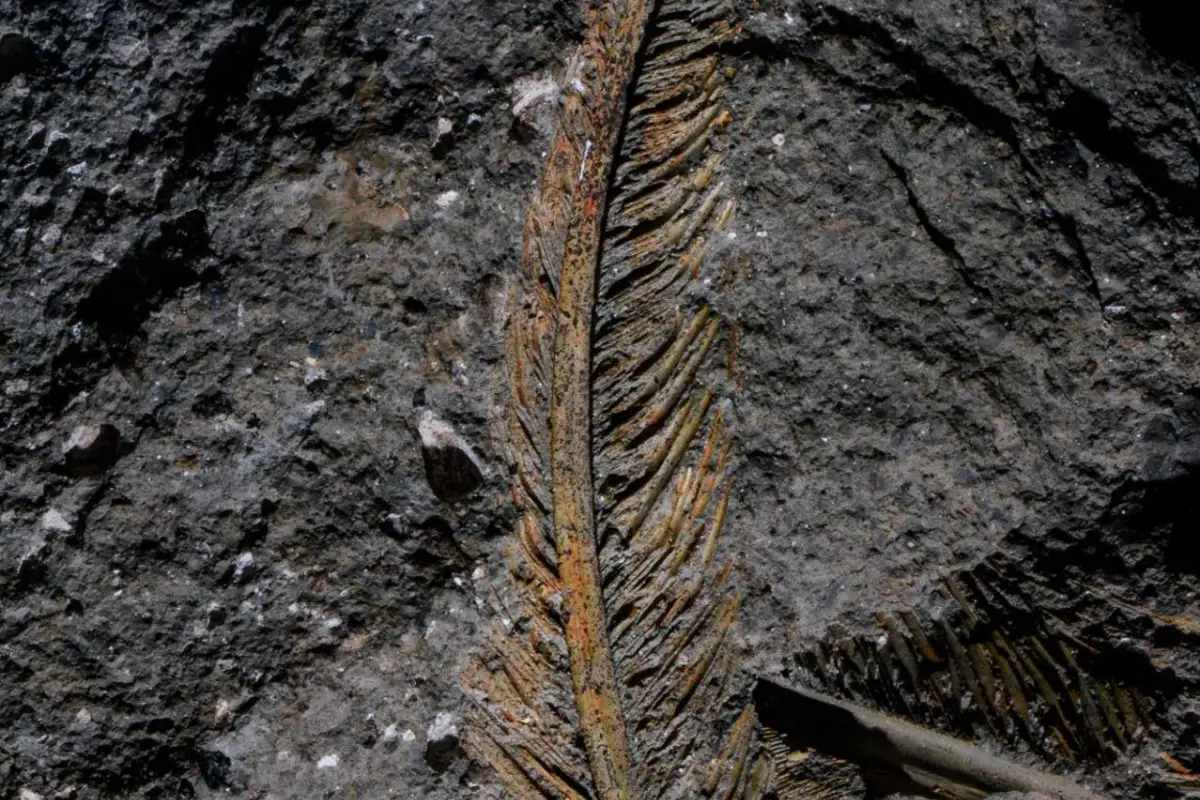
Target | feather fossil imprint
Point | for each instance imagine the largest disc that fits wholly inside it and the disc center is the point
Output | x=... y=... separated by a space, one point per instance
x=1002 y=666
x=607 y=684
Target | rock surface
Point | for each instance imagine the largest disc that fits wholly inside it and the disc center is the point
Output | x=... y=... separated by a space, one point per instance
x=246 y=235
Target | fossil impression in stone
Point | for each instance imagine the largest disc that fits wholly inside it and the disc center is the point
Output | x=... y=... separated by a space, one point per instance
x=609 y=682
x=1033 y=665
x=1002 y=666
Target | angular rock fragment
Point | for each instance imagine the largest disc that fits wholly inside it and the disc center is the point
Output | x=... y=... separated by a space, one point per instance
x=451 y=466
x=91 y=450
x=54 y=522
x=31 y=568
x=443 y=138
x=441 y=741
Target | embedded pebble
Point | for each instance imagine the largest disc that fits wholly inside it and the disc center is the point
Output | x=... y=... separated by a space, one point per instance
x=452 y=468
x=243 y=568
x=91 y=449
x=441 y=741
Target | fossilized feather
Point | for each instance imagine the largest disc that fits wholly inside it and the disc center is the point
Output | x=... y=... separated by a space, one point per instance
x=1001 y=666
x=608 y=685
x=1031 y=665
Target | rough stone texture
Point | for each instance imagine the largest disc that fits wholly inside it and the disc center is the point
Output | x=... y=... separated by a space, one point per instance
x=233 y=232
x=972 y=307
x=246 y=235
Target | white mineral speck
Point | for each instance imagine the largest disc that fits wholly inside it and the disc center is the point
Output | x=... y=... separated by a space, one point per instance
x=21 y=386
x=313 y=371
x=328 y=762
x=446 y=199
x=53 y=520
x=244 y=562
x=444 y=726
x=778 y=139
